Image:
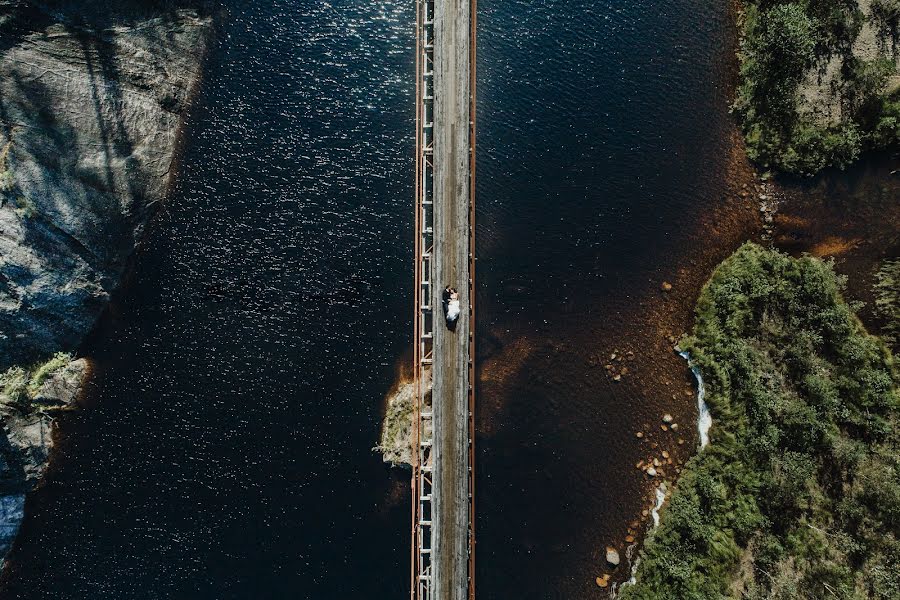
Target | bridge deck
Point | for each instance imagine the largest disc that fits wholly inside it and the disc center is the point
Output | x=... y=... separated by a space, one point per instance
x=443 y=534
x=452 y=178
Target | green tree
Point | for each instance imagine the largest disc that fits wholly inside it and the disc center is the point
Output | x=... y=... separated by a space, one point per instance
x=887 y=12
x=887 y=298
x=779 y=52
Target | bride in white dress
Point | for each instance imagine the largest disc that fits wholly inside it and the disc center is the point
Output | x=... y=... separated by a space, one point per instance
x=453 y=307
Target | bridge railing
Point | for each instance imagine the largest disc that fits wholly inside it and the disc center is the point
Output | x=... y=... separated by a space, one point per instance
x=421 y=588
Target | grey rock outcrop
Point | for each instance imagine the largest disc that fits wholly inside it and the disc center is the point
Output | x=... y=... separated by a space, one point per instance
x=27 y=441
x=27 y=427
x=91 y=102
x=92 y=97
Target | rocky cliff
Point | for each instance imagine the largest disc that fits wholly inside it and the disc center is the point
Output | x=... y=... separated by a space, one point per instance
x=89 y=122
x=92 y=98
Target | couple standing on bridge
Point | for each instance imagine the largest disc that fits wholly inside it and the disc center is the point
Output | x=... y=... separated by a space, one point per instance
x=450 y=300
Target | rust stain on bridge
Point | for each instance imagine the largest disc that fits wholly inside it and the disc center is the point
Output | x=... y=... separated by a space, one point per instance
x=443 y=546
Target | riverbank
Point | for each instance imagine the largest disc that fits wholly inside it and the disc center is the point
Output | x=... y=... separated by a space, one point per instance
x=849 y=217
x=94 y=96
x=802 y=399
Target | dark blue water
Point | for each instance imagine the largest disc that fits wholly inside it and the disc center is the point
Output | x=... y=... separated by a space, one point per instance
x=241 y=372
x=229 y=454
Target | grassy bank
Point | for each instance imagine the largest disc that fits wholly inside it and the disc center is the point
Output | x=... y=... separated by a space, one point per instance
x=20 y=386
x=816 y=81
x=797 y=494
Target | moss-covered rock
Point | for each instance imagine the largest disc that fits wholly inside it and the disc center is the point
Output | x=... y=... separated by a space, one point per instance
x=28 y=399
x=396 y=443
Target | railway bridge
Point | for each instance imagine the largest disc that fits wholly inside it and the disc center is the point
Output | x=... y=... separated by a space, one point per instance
x=443 y=540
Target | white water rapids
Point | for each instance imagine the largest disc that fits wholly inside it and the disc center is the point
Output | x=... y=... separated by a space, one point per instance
x=704 y=419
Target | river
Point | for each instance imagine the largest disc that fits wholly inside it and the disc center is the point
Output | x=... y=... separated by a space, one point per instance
x=607 y=165
x=227 y=448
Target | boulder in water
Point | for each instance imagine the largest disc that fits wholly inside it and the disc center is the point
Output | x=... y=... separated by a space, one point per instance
x=612 y=556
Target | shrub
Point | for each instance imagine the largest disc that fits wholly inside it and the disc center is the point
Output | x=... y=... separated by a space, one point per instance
x=14 y=386
x=19 y=386
x=887 y=129
x=44 y=370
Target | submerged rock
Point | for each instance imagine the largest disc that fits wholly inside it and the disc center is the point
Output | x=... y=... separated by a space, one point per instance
x=612 y=556
x=12 y=511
